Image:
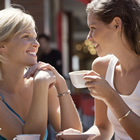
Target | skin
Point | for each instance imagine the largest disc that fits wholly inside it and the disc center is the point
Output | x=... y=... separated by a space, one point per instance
x=111 y=39
x=32 y=95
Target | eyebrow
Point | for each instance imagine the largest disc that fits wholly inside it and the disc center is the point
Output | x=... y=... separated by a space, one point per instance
x=93 y=23
x=26 y=32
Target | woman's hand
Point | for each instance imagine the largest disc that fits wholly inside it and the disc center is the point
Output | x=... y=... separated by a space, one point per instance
x=98 y=86
x=41 y=66
x=59 y=79
x=41 y=75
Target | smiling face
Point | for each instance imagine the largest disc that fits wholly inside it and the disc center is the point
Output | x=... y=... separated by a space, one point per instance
x=101 y=35
x=22 y=48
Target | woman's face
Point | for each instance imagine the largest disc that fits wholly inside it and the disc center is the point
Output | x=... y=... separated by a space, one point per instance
x=101 y=35
x=22 y=48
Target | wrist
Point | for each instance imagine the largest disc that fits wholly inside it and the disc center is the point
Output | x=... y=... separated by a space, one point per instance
x=62 y=90
x=63 y=94
x=61 y=87
x=111 y=97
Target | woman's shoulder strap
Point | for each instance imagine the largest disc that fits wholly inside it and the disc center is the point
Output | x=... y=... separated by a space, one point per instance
x=1 y=98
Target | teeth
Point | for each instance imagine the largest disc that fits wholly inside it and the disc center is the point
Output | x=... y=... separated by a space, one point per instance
x=32 y=53
x=95 y=45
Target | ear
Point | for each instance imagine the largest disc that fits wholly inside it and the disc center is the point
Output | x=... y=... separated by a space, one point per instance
x=116 y=23
x=2 y=48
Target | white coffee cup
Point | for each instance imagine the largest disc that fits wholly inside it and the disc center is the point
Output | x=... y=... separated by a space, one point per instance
x=27 y=137
x=77 y=78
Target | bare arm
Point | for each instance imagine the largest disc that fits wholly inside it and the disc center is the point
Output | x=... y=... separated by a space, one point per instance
x=69 y=114
x=102 y=127
x=36 y=120
x=101 y=90
x=54 y=109
x=38 y=114
x=131 y=123
x=62 y=111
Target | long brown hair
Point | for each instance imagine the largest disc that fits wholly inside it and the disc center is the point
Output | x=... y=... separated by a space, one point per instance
x=127 y=10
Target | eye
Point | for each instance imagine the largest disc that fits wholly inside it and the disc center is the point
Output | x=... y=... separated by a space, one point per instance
x=92 y=28
x=26 y=36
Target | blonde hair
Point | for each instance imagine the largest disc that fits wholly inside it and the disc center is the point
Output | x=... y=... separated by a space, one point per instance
x=13 y=20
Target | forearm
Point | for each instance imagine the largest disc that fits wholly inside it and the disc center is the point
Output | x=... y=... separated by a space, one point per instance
x=37 y=118
x=69 y=114
x=100 y=133
x=119 y=108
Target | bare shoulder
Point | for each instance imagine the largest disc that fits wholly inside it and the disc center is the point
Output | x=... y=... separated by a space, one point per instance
x=100 y=64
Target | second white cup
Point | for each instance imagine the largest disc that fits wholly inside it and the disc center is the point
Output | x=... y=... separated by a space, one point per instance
x=27 y=137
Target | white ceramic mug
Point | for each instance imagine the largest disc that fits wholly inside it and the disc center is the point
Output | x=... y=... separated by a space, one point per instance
x=27 y=137
x=77 y=78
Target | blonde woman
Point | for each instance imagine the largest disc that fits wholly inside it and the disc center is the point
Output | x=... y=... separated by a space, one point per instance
x=28 y=99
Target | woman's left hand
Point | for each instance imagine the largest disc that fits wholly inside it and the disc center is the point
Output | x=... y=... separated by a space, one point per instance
x=32 y=71
x=45 y=67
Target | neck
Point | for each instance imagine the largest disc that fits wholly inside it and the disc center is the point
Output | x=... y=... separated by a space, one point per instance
x=128 y=61
x=12 y=78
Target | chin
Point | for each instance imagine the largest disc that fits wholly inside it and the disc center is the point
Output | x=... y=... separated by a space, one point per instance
x=32 y=63
x=102 y=54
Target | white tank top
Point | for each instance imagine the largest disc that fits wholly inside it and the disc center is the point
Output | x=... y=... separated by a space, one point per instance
x=133 y=101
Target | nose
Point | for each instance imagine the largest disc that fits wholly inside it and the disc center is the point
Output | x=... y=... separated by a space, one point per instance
x=89 y=37
x=35 y=43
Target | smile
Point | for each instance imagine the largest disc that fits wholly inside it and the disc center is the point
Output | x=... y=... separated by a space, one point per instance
x=96 y=45
x=31 y=53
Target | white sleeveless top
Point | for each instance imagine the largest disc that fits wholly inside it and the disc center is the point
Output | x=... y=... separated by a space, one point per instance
x=133 y=101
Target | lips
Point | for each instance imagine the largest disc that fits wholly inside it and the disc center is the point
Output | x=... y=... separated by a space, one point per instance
x=96 y=45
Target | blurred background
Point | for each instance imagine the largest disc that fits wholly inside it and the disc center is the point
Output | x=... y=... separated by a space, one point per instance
x=65 y=22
